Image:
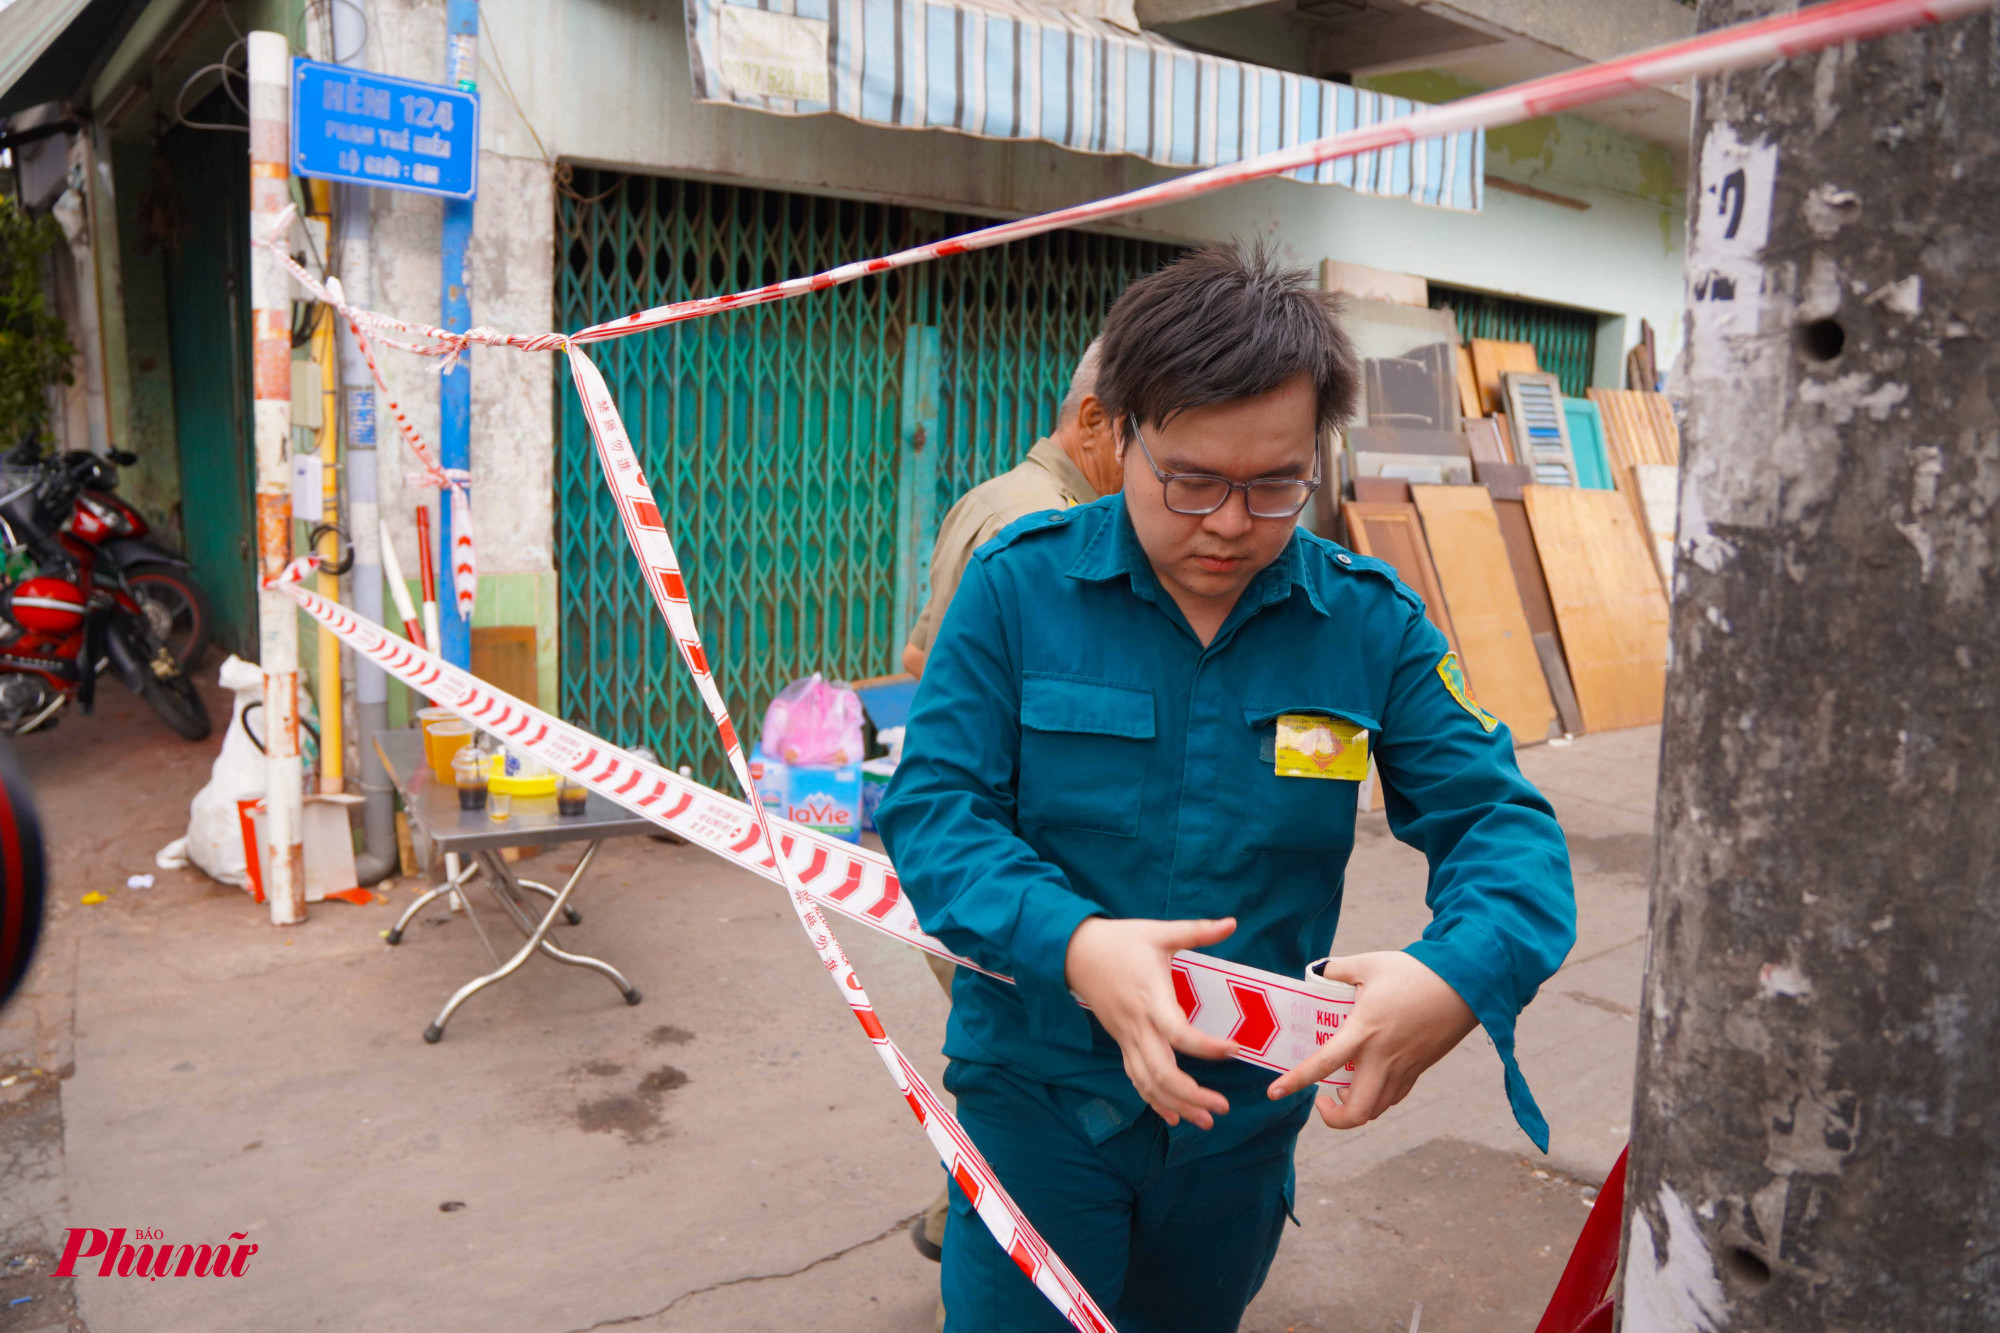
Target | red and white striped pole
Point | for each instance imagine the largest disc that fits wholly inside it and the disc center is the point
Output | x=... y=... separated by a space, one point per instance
x=392 y=574
x=277 y=620
x=427 y=568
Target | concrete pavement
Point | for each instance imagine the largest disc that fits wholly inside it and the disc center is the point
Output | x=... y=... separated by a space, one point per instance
x=728 y=1154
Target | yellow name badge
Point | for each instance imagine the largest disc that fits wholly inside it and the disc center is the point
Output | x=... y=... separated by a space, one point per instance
x=1312 y=745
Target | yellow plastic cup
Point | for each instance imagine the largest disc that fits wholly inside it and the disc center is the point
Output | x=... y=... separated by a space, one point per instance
x=442 y=742
x=426 y=718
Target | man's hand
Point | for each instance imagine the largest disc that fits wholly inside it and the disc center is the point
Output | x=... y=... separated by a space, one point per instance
x=1123 y=971
x=1406 y=1018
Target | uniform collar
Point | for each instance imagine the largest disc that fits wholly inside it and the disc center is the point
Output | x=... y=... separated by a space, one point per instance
x=1113 y=551
x=1049 y=456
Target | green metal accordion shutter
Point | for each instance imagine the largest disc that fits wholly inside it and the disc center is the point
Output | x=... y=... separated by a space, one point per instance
x=774 y=435
x=1014 y=321
x=1565 y=340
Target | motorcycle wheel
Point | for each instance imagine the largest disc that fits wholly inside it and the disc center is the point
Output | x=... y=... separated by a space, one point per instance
x=174 y=609
x=172 y=695
x=178 y=705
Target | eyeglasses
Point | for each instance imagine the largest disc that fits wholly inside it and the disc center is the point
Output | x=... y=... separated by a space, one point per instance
x=1198 y=493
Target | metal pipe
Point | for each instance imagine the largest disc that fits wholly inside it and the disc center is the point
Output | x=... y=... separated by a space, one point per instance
x=455 y=392
x=277 y=622
x=332 y=705
x=378 y=859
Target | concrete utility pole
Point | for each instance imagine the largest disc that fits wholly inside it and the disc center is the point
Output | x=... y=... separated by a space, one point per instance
x=277 y=622
x=1816 y=1140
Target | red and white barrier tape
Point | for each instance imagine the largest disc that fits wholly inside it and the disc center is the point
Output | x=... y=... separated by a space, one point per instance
x=1276 y=1021
x=452 y=482
x=1711 y=53
x=745 y=836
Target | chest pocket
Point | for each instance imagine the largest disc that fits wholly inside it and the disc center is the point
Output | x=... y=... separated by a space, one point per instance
x=1301 y=812
x=1085 y=745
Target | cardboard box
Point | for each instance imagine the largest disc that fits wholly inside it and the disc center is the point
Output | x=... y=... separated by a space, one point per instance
x=826 y=799
x=875 y=775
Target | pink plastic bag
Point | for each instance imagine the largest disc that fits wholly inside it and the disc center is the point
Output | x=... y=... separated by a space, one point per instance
x=813 y=722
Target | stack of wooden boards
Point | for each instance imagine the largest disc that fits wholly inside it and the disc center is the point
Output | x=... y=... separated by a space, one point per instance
x=1548 y=573
x=1645 y=450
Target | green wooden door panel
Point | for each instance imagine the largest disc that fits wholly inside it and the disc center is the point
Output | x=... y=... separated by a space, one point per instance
x=208 y=312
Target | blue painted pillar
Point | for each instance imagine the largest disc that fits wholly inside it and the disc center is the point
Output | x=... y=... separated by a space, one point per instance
x=455 y=426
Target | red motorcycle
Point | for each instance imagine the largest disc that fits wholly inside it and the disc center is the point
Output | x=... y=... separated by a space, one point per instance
x=157 y=579
x=65 y=621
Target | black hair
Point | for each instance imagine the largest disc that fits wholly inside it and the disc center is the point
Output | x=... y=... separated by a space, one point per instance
x=1219 y=324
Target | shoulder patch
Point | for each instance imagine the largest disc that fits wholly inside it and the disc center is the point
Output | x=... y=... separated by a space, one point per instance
x=1339 y=558
x=1453 y=675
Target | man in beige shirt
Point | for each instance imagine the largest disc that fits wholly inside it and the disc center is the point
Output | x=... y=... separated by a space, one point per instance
x=1074 y=465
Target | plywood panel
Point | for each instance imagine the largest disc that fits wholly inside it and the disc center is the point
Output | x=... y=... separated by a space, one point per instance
x=1638 y=427
x=1393 y=534
x=1382 y=490
x=1658 y=487
x=1485 y=441
x=1549 y=649
x=1627 y=441
x=1526 y=566
x=1619 y=428
x=504 y=655
x=1495 y=643
x=1490 y=360
x=1608 y=603
x=1503 y=481
x=1469 y=405
x=1665 y=432
x=1374 y=284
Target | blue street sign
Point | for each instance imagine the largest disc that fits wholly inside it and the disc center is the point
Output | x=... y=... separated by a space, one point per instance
x=369 y=129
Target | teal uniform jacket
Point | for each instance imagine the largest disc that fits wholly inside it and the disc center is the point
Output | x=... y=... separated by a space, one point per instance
x=1074 y=751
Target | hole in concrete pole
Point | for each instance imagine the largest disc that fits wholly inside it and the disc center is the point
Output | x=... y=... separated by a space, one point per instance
x=1745 y=1266
x=1822 y=339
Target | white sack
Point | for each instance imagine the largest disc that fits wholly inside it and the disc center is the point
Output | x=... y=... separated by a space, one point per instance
x=214 y=839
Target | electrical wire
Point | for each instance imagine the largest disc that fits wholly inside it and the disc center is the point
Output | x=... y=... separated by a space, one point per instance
x=338 y=58
x=489 y=46
x=566 y=173
x=560 y=173
x=180 y=98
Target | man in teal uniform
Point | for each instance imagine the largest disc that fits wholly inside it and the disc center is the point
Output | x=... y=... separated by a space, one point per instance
x=1142 y=729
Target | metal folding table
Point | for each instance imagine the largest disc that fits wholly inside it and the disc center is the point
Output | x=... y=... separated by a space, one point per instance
x=435 y=818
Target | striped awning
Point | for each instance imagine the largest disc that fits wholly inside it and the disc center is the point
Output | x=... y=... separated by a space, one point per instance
x=28 y=31
x=1015 y=69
